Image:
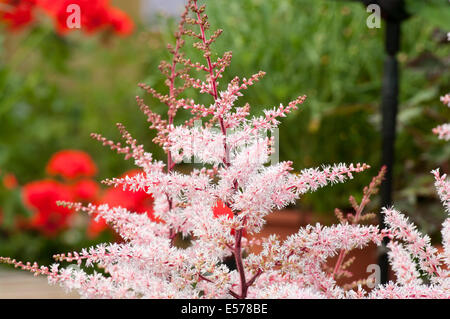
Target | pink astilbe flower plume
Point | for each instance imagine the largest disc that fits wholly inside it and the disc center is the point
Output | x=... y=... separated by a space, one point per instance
x=237 y=174
x=402 y=264
x=443 y=131
x=411 y=253
x=442 y=185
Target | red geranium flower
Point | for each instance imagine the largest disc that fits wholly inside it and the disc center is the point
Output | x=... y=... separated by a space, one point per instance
x=94 y=15
x=85 y=190
x=96 y=227
x=42 y=197
x=220 y=209
x=71 y=164
x=17 y=13
x=120 y=21
x=10 y=181
x=138 y=202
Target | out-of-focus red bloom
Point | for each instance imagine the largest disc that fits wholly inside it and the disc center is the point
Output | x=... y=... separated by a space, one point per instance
x=71 y=164
x=94 y=15
x=49 y=6
x=96 y=227
x=120 y=21
x=85 y=190
x=138 y=202
x=10 y=181
x=17 y=13
x=220 y=209
x=41 y=197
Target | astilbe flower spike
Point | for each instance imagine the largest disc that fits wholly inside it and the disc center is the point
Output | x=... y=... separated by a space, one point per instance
x=237 y=175
x=443 y=131
x=340 y=268
x=416 y=252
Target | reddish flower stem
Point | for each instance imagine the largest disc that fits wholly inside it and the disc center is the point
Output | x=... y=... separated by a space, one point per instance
x=237 y=250
x=239 y=264
x=365 y=200
x=171 y=113
x=343 y=252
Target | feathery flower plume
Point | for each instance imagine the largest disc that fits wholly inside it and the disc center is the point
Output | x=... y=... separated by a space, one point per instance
x=443 y=131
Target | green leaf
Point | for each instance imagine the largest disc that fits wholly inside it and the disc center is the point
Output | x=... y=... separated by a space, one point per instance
x=436 y=12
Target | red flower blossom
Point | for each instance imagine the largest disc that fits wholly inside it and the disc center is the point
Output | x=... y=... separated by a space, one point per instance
x=85 y=190
x=10 y=181
x=223 y=210
x=94 y=15
x=96 y=227
x=42 y=197
x=71 y=164
x=138 y=202
x=120 y=21
x=17 y=13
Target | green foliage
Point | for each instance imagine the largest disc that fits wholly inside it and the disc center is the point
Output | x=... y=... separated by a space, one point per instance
x=435 y=12
x=54 y=92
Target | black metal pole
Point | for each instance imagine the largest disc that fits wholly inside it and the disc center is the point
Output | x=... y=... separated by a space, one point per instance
x=389 y=108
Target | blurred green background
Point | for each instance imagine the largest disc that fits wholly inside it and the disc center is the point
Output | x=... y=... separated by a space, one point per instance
x=55 y=91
